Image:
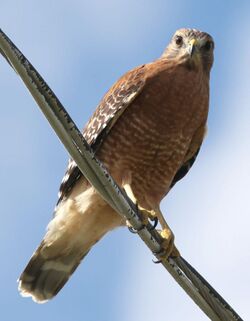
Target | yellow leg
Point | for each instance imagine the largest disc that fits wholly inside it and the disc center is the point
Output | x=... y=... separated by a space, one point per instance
x=145 y=213
x=168 y=237
x=166 y=233
x=130 y=193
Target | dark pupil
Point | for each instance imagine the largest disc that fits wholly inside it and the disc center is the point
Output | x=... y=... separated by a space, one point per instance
x=178 y=40
x=208 y=45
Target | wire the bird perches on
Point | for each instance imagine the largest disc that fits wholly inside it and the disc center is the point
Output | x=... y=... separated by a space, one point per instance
x=210 y=302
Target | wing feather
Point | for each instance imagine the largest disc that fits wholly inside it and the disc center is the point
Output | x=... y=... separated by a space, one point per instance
x=113 y=104
x=191 y=155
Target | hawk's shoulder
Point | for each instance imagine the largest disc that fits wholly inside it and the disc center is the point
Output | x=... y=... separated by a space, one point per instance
x=113 y=104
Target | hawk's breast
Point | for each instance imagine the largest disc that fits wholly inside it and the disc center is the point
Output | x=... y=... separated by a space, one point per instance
x=150 y=139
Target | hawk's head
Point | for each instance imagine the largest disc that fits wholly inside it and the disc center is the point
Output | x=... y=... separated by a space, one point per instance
x=194 y=48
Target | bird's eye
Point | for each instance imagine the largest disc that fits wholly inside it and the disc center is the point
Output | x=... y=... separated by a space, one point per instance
x=179 y=40
x=208 y=45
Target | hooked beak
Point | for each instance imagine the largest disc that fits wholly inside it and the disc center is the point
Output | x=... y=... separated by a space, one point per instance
x=192 y=47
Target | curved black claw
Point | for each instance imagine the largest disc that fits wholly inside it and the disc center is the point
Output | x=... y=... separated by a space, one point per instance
x=132 y=230
x=156 y=261
x=155 y=220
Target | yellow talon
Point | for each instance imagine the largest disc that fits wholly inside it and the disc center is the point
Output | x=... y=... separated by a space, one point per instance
x=167 y=245
x=169 y=249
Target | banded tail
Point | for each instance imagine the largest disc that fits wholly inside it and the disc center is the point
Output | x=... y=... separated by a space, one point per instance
x=80 y=221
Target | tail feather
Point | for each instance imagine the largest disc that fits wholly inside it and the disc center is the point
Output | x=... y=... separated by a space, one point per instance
x=42 y=279
x=80 y=221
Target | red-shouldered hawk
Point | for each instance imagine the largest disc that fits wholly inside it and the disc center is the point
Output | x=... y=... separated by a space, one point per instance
x=147 y=131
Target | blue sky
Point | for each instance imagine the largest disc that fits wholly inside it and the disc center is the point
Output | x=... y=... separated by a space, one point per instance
x=81 y=48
